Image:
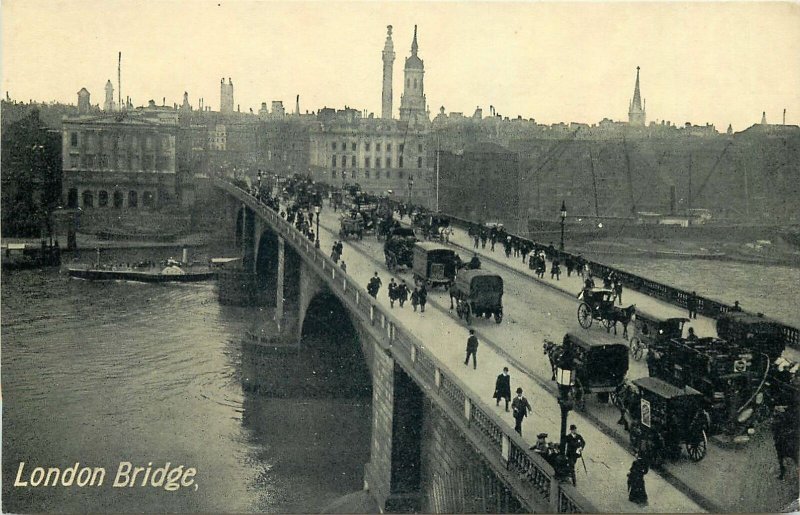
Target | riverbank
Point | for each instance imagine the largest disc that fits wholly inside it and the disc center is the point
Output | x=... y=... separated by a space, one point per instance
x=90 y=242
x=760 y=252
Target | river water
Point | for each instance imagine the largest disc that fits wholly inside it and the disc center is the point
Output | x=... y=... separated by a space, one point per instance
x=769 y=289
x=106 y=372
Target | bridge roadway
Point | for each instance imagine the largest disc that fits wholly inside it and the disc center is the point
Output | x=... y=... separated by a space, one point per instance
x=727 y=479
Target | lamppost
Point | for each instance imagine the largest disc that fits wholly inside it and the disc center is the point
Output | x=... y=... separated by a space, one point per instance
x=410 y=187
x=563 y=218
x=258 y=178
x=565 y=378
x=317 y=209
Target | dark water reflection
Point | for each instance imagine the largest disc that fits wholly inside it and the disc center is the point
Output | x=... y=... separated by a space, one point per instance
x=104 y=372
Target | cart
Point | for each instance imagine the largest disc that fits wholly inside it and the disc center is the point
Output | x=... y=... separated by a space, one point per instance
x=477 y=293
x=650 y=330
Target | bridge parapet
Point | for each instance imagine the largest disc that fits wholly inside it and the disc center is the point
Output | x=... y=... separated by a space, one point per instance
x=528 y=475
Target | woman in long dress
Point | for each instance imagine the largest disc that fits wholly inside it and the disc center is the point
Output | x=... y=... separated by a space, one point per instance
x=636 y=488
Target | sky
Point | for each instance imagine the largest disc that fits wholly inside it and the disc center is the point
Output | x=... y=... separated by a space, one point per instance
x=709 y=62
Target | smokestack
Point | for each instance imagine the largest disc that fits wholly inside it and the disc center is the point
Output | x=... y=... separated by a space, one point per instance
x=119 y=79
x=297 y=107
x=784 y=116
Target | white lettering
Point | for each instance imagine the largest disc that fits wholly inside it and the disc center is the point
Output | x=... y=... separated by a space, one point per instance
x=71 y=472
x=17 y=481
x=36 y=481
x=123 y=471
x=83 y=480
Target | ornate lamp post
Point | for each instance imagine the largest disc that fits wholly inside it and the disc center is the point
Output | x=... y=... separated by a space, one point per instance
x=563 y=218
x=317 y=209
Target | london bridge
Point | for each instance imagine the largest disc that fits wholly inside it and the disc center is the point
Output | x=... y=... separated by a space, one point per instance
x=322 y=272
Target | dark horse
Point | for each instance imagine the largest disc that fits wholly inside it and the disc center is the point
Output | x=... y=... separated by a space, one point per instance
x=621 y=315
x=554 y=351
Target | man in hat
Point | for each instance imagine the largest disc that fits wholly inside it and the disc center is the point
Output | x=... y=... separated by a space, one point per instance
x=573 y=448
x=520 y=408
x=472 y=349
x=541 y=445
x=502 y=388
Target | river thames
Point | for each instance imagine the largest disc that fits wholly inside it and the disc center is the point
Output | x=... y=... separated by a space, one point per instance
x=105 y=372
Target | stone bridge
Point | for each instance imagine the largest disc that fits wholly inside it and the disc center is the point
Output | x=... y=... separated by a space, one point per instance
x=429 y=429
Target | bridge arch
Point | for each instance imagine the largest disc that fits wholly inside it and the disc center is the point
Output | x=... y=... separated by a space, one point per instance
x=330 y=337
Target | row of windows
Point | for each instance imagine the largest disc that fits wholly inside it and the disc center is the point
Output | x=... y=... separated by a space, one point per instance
x=87 y=198
x=343 y=146
x=92 y=139
x=368 y=162
x=353 y=174
x=124 y=162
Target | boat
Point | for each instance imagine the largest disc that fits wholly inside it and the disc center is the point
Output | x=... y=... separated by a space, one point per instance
x=170 y=273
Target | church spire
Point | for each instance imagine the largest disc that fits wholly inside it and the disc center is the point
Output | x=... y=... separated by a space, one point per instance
x=414 y=46
x=636 y=113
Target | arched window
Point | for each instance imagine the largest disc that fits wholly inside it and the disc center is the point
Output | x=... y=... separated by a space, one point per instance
x=102 y=198
x=408 y=83
x=133 y=199
x=344 y=161
x=72 y=198
x=117 y=199
x=333 y=161
x=415 y=83
x=148 y=199
x=88 y=199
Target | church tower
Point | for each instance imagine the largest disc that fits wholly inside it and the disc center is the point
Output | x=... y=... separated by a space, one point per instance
x=636 y=114
x=226 y=96
x=388 y=63
x=412 y=103
x=108 y=105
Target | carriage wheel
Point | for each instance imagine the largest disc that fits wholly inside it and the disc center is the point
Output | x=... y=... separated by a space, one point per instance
x=498 y=316
x=467 y=313
x=636 y=348
x=697 y=450
x=585 y=315
x=606 y=323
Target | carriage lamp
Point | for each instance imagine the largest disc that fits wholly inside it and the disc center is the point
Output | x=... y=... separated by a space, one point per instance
x=563 y=219
x=317 y=209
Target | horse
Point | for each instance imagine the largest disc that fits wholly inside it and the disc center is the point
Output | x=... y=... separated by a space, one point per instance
x=554 y=351
x=621 y=315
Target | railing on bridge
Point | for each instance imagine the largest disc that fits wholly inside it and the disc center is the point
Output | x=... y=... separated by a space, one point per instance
x=708 y=307
x=528 y=474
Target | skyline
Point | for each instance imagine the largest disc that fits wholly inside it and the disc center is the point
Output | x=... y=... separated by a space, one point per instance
x=700 y=63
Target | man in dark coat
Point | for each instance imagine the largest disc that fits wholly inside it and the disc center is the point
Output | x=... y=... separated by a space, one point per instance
x=401 y=292
x=573 y=448
x=691 y=304
x=636 y=488
x=423 y=298
x=374 y=286
x=472 y=349
x=520 y=408
x=785 y=436
x=502 y=388
x=392 y=291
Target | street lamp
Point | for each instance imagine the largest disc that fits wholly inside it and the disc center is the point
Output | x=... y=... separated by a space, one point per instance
x=563 y=218
x=565 y=378
x=317 y=209
x=410 y=187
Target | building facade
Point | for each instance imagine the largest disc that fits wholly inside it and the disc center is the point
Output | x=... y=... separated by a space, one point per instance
x=124 y=160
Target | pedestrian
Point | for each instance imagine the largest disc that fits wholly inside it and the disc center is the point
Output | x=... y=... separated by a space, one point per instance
x=374 y=286
x=636 y=488
x=344 y=266
x=573 y=448
x=392 y=292
x=736 y=306
x=570 y=264
x=423 y=298
x=555 y=270
x=618 y=289
x=339 y=248
x=502 y=388
x=334 y=252
x=520 y=408
x=483 y=238
x=472 y=349
x=785 y=437
x=415 y=298
x=691 y=304
x=402 y=292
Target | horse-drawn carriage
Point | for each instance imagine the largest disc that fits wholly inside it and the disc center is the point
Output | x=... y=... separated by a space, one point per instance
x=664 y=417
x=477 y=293
x=599 y=364
x=434 y=264
x=754 y=332
x=399 y=248
x=351 y=226
x=650 y=330
x=598 y=304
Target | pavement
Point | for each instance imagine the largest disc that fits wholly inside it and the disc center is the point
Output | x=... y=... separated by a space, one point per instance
x=728 y=479
x=607 y=461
